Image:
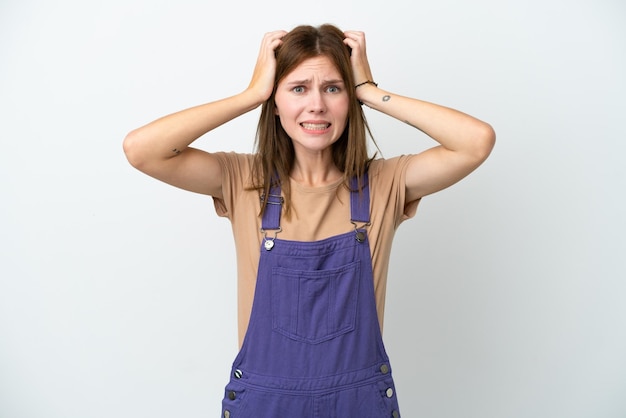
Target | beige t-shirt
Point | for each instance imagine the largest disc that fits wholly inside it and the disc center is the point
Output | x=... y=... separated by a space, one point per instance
x=317 y=213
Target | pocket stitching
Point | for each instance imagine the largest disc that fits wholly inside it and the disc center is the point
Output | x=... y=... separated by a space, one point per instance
x=352 y=270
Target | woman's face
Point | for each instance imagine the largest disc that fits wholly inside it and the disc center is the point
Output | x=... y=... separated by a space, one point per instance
x=312 y=105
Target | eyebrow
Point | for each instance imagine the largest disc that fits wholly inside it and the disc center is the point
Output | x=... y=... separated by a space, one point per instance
x=308 y=81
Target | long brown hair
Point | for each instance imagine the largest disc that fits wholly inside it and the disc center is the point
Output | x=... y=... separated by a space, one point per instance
x=275 y=154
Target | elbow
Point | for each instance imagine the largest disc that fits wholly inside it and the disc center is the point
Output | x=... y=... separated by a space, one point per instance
x=132 y=150
x=484 y=142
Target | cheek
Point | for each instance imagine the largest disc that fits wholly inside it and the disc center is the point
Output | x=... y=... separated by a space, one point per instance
x=282 y=108
x=344 y=114
x=284 y=123
x=343 y=107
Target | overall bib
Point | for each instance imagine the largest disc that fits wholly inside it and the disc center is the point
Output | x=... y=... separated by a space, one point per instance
x=313 y=347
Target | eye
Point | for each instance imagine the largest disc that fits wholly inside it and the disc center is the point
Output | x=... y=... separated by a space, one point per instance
x=298 y=89
x=333 y=89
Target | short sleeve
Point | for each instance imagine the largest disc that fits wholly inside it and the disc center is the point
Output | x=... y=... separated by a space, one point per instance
x=236 y=170
x=388 y=178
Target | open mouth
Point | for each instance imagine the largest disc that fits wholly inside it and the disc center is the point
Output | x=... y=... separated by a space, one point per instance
x=315 y=126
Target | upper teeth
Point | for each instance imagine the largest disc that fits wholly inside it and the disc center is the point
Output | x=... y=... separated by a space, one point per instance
x=315 y=125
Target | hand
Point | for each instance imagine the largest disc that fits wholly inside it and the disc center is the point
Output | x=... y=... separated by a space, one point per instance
x=262 y=82
x=358 y=58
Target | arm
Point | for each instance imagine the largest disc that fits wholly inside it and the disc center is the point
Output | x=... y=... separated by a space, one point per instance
x=162 y=149
x=464 y=141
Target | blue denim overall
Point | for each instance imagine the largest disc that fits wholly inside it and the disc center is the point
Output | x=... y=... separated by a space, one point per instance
x=313 y=347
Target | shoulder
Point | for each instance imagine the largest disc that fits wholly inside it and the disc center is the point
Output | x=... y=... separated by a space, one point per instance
x=231 y=159
x=387 y=169
x=236 y=168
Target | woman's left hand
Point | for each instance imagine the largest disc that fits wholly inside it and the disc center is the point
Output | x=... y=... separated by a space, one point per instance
x=358 y=58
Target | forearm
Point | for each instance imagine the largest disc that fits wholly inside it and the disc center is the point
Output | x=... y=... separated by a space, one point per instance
x=170 y=135
x=454 y=130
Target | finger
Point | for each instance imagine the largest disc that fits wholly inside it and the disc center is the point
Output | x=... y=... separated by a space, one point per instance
x=354 y=33
x=355 y=36
x=354 y=42
x=273 y=39
x=275 y=34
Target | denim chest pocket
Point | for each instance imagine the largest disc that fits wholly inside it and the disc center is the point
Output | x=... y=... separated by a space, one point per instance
x=315 y=306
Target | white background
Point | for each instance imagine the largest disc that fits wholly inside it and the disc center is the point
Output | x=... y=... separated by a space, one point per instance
x=506 y=292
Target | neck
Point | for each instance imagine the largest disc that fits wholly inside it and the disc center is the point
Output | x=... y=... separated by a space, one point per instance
x=315 y=171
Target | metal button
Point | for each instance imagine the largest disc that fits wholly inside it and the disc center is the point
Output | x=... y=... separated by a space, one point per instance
x=226 y=413
x=389 y=392
x=238 y=374
x=231 y=395
x=395 y=414
x=360 y=236
x=384 y=369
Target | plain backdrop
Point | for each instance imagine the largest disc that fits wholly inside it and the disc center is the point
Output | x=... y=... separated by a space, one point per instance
x=506 y=292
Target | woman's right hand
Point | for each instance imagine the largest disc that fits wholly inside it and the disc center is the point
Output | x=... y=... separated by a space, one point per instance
x=262 y=83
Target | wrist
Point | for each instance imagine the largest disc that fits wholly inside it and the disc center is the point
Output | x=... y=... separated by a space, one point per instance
x=362 y=89
x=251 y=98
x=366 y=82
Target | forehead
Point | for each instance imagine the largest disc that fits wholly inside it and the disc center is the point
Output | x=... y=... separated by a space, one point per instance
x=315 y=67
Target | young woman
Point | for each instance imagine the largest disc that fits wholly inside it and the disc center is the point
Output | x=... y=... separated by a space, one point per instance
x=313 y=217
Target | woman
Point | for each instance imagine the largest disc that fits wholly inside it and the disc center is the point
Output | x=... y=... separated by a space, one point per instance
x=313 y=218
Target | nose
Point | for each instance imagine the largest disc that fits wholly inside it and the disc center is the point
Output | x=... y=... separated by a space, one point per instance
x=316 y=102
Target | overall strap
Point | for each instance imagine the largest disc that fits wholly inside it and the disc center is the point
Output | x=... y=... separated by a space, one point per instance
x=271 y=216
x=360 y=200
